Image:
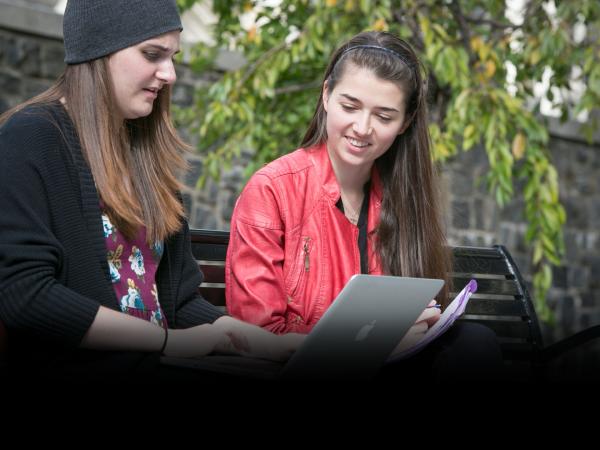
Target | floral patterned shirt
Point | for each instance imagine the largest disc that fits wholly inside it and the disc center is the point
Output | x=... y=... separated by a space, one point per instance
x=133 y=266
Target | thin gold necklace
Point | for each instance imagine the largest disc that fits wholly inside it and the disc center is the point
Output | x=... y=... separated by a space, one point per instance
x=355 y=215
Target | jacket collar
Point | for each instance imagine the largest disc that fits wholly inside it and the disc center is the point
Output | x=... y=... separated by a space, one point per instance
x=322 y=163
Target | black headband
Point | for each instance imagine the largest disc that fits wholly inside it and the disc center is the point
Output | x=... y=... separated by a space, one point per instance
x=376 y=47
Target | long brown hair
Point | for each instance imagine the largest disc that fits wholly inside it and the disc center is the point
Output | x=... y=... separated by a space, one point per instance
x=134 y=164
x=410 y=239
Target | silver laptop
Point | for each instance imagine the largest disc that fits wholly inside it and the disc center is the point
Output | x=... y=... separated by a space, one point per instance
x=353 y=339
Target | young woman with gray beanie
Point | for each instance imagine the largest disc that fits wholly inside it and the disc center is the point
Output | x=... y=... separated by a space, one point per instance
x=96 y=270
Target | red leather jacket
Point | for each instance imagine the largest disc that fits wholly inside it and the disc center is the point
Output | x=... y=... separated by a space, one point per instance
x=291 y=249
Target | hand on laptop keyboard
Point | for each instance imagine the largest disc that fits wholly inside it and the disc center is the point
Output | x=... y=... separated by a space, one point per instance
x=231 y=336
x=250 y=340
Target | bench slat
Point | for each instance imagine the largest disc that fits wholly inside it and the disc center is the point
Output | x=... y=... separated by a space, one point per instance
x=216 y=296
x=477 y=252
x=474 y=265
x=213 y=274
x=209 y=252
x=495 y=307
x=484 y=286
x=506 y=328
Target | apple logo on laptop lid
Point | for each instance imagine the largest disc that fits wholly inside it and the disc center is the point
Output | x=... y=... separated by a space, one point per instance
x=364 y=331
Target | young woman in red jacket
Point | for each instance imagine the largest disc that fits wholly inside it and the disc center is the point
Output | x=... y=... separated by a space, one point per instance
x=359 y=196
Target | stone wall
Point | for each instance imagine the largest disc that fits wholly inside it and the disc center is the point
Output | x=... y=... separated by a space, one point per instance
x=28 y=64
x=31 y=58
x=475 y=219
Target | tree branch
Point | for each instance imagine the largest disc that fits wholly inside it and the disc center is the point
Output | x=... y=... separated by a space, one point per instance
x=297 y=88
x=265 y=56
x=408 y=18
x=492 y=23
x=465 y=33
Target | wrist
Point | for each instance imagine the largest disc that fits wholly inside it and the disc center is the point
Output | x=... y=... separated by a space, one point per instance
x=179 y=343
x=224 y=324
x=165 y=341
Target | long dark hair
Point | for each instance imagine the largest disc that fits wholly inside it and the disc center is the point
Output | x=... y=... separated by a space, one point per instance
x=410 y=239
x=135 y=164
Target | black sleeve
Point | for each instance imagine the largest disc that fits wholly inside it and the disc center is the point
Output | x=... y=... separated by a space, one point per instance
x=192 y=309
x=31 y=299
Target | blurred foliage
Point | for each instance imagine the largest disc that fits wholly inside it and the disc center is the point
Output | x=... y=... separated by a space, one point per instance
x=482 y=69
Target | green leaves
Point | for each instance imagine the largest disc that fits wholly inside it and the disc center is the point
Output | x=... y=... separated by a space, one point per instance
x=268 y=103
x=185 y=4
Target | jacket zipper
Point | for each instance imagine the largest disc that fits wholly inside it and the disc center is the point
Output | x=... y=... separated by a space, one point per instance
x=304 y=267
x=306 y=254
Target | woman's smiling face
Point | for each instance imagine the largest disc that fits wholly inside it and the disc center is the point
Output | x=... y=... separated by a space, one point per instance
x=364 y=115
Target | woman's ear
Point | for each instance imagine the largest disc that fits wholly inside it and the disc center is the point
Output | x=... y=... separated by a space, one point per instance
x=403 y=127
x=325 y=96
x=405 y=124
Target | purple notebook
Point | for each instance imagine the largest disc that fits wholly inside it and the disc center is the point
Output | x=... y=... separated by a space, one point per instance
x=452 y=312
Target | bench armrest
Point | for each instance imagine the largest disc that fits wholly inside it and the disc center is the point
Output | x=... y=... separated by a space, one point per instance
x=572 y=342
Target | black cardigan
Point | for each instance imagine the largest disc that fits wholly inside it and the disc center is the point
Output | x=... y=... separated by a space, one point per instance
x=54 y=273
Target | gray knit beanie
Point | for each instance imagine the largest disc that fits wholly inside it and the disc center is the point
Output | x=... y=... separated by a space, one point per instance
x=96 y=28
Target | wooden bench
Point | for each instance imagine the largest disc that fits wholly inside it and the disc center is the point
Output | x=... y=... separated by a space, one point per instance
x=501 y=303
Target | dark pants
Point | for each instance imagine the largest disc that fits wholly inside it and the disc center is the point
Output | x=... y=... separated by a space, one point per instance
x=466 y=352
